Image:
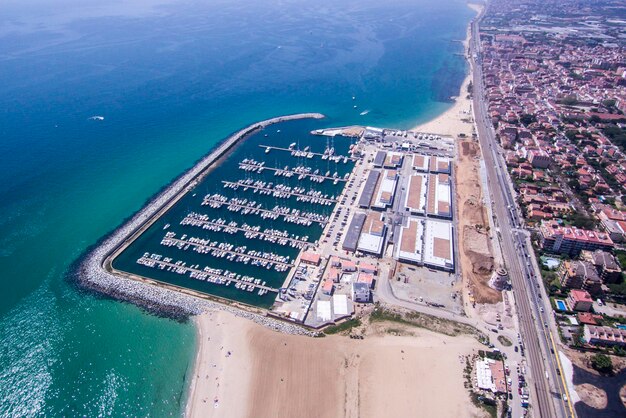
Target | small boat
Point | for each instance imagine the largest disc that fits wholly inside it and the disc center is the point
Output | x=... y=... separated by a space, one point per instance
x=268 y=149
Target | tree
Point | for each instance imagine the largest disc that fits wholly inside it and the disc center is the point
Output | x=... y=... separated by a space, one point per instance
x=527 y=119
x=569 y=100
x=608 y=103
x=602 y=363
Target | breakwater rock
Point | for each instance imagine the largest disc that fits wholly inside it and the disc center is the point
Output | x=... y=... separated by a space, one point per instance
x=94 y=272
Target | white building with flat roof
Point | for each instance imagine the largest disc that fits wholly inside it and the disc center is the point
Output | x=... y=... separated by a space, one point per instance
x=386 y=190
x=438 y=245
x=439 y=196
x=421 y=162
x=410 y=247
x=373 y=234
x=440 y=165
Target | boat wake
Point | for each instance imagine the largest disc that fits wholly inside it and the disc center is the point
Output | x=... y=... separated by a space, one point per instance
x=96 y=118
x=365 y=112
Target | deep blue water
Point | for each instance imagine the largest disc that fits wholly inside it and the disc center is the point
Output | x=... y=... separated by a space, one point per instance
x=171 y=78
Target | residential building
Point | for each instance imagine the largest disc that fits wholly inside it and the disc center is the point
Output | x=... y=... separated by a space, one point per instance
x=570 y=240
x=360 y=292
x=580 y=300
x=604 y=336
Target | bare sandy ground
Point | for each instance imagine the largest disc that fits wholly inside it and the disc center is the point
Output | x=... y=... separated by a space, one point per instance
x=476 y=252
x=456 y=120
x=269 y=374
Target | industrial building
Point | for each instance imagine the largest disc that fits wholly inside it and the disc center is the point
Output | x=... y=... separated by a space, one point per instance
x=393 y=160
x=368 y=189
x=373 y=234
x=385 y=190
x=379 y=159
x=353 y=232
x=427 y=242
x=415 y=198
x=411 y=244
x=421 y=162
x=439 y=196
x=440 y=165
x=439 y=245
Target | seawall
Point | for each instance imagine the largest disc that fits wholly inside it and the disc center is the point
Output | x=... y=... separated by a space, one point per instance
x=95 y=272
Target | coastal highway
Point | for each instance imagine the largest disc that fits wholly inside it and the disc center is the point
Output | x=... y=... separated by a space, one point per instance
x=536 y=327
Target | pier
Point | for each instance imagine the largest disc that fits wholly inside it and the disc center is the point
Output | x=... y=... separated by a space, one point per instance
x=252 y=232
x=296 y=217
x=222 y=250
x=300 y=171
x=281 y=191
x=180 y=268
x=309 y=154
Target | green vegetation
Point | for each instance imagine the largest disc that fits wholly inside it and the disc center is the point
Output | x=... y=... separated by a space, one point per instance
x=504 y=341
x=527 y=119
x=619 y=289
x=343 y=327
x=616 y=134
x=489 y=405
x=608 y=103
x=570 y=100
x=602 y=363
x=493 y=355
x=420 y=320
x=579 y=220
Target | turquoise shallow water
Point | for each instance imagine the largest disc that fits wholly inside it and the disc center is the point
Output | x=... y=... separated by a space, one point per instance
x=171 y=78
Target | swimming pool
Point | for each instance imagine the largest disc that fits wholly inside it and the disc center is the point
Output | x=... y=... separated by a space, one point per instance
x=560 y=304
x=549 y=262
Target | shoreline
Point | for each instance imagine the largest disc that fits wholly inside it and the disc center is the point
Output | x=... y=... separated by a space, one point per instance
x=451 y=121
x=244 y=370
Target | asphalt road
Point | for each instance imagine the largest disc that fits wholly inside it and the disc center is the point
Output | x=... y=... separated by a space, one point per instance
x=546 y=384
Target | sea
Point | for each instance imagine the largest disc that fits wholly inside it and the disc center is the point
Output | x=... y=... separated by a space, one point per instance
x=167 y=80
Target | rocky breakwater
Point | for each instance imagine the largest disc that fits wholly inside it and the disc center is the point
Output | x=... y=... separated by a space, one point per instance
x=94 y=271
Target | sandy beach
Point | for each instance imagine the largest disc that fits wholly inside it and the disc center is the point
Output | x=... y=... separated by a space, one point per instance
x=459 y=118
x=246 y=370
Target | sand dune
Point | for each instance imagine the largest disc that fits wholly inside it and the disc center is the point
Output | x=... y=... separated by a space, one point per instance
x=269 y=374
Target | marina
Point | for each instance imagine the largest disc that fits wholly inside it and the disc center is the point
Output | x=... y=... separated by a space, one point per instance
x=237 y=232
x=228 y=251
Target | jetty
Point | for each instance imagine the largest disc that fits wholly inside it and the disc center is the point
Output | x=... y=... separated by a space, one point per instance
x=309 y=154
x=247 y=207
x=251 y=232
x=300 y=171
x=281 y=191
x=155 y=261
x=228 y=251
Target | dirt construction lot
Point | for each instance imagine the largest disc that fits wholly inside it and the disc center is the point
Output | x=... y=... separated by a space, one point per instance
x=476 y=252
